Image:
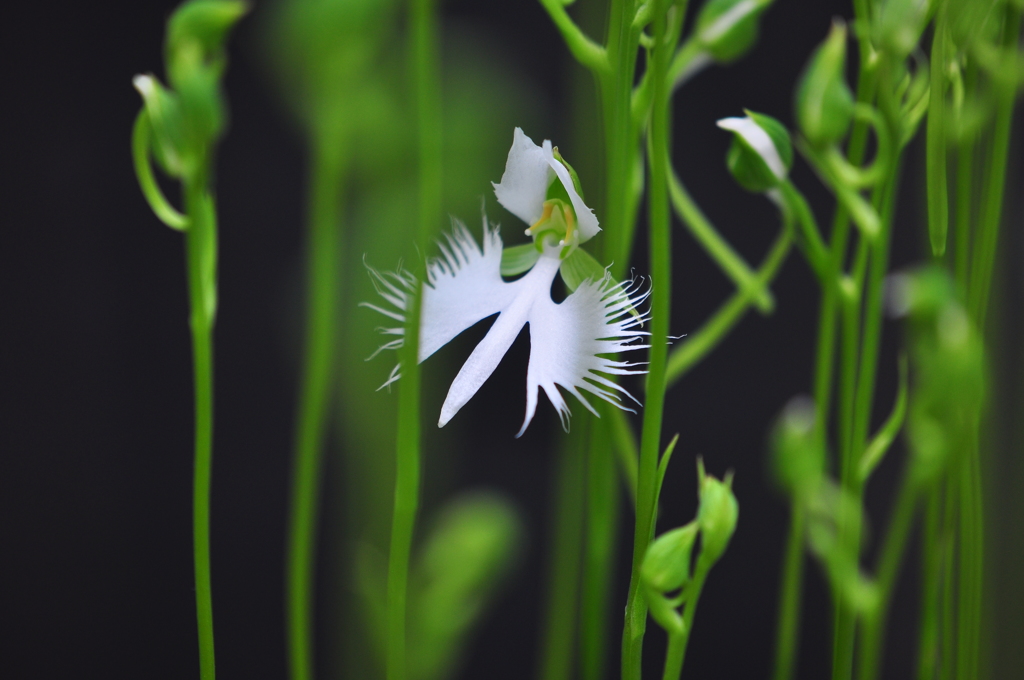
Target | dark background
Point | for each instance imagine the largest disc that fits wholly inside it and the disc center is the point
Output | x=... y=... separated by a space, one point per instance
x=95 y=367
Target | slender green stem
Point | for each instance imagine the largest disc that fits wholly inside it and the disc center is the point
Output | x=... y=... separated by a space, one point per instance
x=323 y=254
x=991 y=208
x=587 y=52
x=890 y=558
x=425 y=70
x=693 y=591
x=931 y=566
x=938 y=201
x=660 y=248
x=674 y=656
x=720 y=251
x=700 y=343
x=602 y=513
x=964 y=213
x=141 y=135
x=559 y=630
x=626 y=450
x=949 y=651
x=790 y=589
x=200 y=244
x=812 y=244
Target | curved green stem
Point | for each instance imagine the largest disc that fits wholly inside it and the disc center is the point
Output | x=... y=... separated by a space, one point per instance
x=700 y=343
x=323 y=254
x=720 y=251
x=587 y=52
x=141 y=135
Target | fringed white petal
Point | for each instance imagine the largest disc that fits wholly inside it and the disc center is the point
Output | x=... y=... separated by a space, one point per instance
x=600 y=317
x=464 y=286
x=524 y=293
x=524 y=184
x=395 y=288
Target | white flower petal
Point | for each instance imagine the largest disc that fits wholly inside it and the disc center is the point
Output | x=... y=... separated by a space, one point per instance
x=758 y=140
x=586 y=220
x=464 y=286
x=524 y=184
x=565 y=339
x=536 y=285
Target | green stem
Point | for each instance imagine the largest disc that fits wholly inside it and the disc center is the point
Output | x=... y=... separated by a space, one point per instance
x=788 y=626
x=891 y=556
x=560 y=618
x=674 y=656
x=602 y=513
x=931 y=566
x=425 y=70
x=627 y=452
x=700 y=343
x=323 y=254
x=200 y=244
x=693 y=591
x=938 y=201
x=660 y=248
x=995 y=181
x=720 y=251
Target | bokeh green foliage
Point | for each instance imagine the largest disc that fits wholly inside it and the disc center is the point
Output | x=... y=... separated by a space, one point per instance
x=474 y=544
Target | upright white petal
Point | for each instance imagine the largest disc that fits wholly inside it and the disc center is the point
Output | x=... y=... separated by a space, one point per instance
x=523 y=188
x=526 y=292
x=524 y=184
x=565 y=340
x=586 y=220
x=464 y=286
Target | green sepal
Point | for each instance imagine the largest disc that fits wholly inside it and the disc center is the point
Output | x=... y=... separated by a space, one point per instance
x=728 y=43
x=578 y=267
x=164 y=112
x=518 y=259
x=824 y=103
x=778 y=133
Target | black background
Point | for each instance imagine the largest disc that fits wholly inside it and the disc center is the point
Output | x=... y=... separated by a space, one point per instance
x=95 y=440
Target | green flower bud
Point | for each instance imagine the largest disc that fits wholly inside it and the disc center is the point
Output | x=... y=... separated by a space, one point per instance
x=761 y=153
x=899 y=25
x=666 y=568
x=196 y=33
x=824 y=103
x=717 y=514
x=727 y=29
x=798 y=457
x=164 y=112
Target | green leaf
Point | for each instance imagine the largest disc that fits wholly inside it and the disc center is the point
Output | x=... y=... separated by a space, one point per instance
x=578 y=267
x=518 y=259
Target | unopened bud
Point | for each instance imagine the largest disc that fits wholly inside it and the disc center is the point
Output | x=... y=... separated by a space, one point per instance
x=727 y=29
x=717 y=515
x=824 y=103
x=761 y=153
x=666 y=568
x=798 y=458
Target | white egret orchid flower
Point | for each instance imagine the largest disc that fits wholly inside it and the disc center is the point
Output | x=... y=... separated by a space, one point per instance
x=465 y=286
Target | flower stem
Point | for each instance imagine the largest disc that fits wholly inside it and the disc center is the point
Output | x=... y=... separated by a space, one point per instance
x=602 y=514
x=660 y=248
x=323 y=255
x=200 y=245
x=787 y=629
x=425 y=70
x=560 y=618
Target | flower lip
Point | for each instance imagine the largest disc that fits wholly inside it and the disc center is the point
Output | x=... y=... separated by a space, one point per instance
x=529 y=170
x=758 y=140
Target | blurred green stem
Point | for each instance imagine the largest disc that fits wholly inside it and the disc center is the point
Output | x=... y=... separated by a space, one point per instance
x=426 y=86
x=201 y=254
x=559 y=632
x=323 y=254
x=602 y=514
x=788 y=626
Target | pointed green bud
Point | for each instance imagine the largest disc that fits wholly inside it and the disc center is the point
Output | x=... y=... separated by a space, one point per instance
x=196 y=33
x=717 y=514
x=798 y=457
x=761 y=153
x=727 y=29
x=666 y=568
x=824 y=103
